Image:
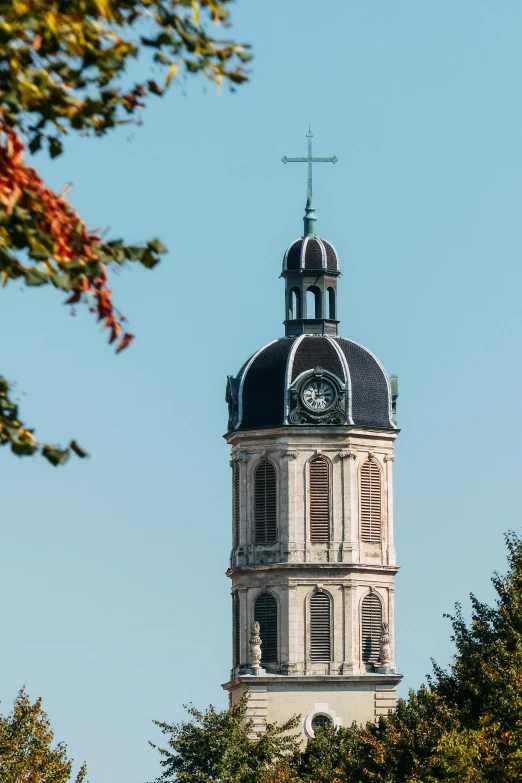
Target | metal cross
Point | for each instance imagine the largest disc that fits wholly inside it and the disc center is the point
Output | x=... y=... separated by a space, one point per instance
x=309 y=160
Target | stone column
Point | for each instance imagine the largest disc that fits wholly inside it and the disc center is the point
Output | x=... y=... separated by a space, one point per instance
x=390 y=553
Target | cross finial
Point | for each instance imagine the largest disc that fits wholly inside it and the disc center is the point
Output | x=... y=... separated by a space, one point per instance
x=310 y=219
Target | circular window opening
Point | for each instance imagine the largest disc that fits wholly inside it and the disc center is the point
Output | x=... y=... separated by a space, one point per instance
x=320 y=721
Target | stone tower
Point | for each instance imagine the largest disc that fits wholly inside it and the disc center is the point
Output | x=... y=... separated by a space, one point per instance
x=311 y=428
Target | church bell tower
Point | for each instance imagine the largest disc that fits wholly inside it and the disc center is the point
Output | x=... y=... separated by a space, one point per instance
x=311 y=428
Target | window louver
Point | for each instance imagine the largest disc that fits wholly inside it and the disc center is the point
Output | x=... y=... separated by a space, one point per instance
x=320 y=627
x=370 y=502
x=265 y=613
x=236 y=505
x=319 y=500
x=265 y=503
x=236 y=631
x=371 y=626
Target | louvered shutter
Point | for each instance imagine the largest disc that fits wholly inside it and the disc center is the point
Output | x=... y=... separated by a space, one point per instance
x=265 y=613
x=320 y=627
x=265 y=503
x=236 y=504
x=319 y=500
x=370 y=501
x=236 y=630
x=371 y=626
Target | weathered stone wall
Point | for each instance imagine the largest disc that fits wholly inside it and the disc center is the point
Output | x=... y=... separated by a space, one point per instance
x=342 y=699
x=346 y=568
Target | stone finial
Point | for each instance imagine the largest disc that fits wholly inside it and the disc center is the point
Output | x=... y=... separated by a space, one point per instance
x=385 y=652
x=255 y=646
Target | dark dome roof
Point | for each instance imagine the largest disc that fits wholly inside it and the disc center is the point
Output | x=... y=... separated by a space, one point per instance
x=262 y=386
x=311 y=253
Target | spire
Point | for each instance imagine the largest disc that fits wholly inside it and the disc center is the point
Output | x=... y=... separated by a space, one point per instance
x=310 y=219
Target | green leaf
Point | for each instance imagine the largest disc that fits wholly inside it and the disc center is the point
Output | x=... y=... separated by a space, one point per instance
x=8 y=407
x=35 y=143
x=35 y=276
x=56 y=456
x=55 y=147
x=154 y=87
x=134 y=253
x=23 y=449
x=157 y=246
x=78 y=450
x=61 y=281
x=149 y=260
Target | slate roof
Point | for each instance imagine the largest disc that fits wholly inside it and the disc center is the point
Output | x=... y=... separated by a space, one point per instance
x=311 y=253
x=265 y=379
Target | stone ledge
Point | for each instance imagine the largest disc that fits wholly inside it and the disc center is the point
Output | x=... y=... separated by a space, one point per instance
x=290 y=566
x=390 y=680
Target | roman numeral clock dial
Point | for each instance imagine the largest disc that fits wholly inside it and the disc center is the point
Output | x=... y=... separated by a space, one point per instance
x=318 y=395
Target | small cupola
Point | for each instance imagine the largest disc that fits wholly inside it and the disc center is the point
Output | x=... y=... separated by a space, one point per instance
x=311 y=269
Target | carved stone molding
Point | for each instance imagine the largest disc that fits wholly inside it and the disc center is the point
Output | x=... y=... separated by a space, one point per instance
x=385 y=651
x=371 y=455
x=243 y=456
x=290 y=454
x=255 y=646
x=389 y=458
x=347 y=455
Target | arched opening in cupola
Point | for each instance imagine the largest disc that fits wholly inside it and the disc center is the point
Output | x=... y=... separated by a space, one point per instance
x=313 y=302
x=331 y=304
x=294 y=304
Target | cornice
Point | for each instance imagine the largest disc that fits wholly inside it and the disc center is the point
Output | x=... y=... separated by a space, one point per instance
x=303 y=437
x=307 y=567
x=295 y=434
x=386 y=680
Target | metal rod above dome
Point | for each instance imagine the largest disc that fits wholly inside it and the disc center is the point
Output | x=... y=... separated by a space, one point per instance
x=310 y=219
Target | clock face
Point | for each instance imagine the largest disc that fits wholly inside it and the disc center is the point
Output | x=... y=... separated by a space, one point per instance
x=318 y=395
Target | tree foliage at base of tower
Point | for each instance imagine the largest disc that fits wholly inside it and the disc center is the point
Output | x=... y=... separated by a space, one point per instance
x=27 y=754
x=464 y=726
x=63 y=68
x=219 y=746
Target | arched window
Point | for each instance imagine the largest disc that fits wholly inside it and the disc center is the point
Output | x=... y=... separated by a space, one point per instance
x=236 y=620
x=265 y=503
x=265 y=613
x=371 y=626
x=295 y=304
x=313 y=302
x=331 y=304
x=320 y=627
x=319 y=500
x=370 y=501
x=236 y=504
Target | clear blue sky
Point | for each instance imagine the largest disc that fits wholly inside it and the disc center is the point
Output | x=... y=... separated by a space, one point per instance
x=115 y=607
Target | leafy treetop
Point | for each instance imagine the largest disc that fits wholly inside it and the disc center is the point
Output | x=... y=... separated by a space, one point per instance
x=62 y=68
x=219 y=746
x=27 y=754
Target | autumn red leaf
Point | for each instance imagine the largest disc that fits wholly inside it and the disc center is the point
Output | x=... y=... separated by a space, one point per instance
x=124 y=342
